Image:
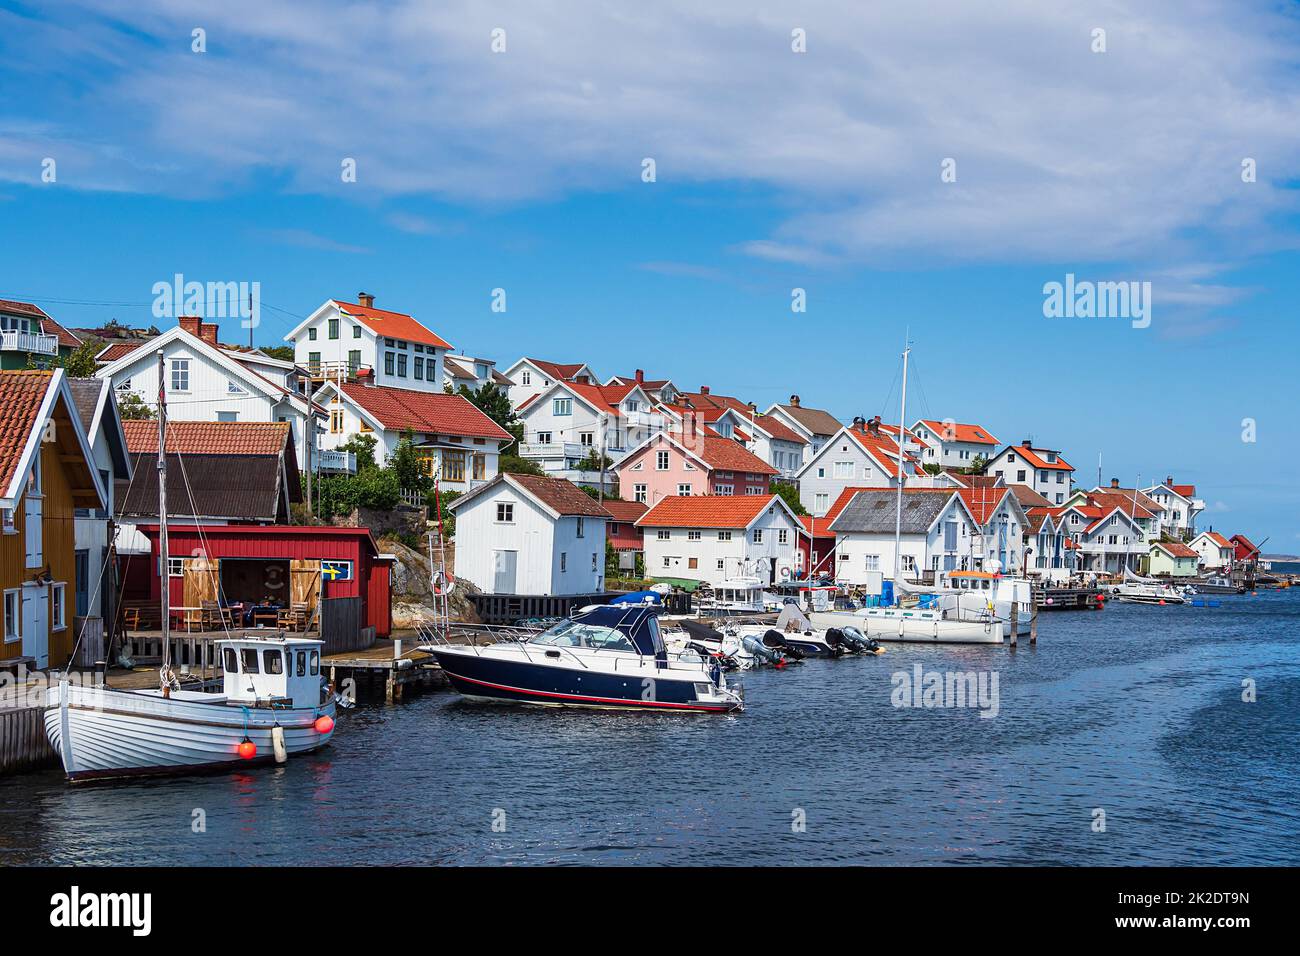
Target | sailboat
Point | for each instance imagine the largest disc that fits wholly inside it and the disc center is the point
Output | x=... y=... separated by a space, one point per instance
x=936 y=626
x=274 y=702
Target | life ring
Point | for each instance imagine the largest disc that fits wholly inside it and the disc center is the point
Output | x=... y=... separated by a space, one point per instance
x=443 y=583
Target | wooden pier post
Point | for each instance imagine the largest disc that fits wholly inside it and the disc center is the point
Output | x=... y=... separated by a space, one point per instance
x=1033 y=626
x=1015 y=621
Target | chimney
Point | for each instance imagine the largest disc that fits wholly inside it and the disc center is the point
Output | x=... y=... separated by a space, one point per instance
x=794 y=400
x=1114 y=482
x=191 y=324
x=1169 y=480
x=704 y=389
x=208 y=333
x=365 y=300
x=640 y=376
x=1027 y=443
x=859 y=422
x=753 y=409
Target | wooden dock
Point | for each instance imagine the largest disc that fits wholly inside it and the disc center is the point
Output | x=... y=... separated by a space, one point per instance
x=1069 y=599
x=385 y=672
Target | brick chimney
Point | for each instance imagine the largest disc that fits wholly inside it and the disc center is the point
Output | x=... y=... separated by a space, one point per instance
x=1114 y=482
x=873 y=426
x=1027 y=443
x=640 y=376
x=208 y=333
x=365 y=300
x=190 y=324
x=1169 y=480
x=794 y=400
x=704 y=389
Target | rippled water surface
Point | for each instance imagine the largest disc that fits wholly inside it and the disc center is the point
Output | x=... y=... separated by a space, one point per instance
x=1135 y=711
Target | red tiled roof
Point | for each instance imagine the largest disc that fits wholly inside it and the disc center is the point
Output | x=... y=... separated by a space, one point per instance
x=560 y=495
x=391 y=325
x=626 y=511
x=116 y=350
x=778 y=429
x=1218 y=539
x=723 y=454
x=48 y=325
x=559 y=371
x=1175 y=549
x=817 y=527
x=959 y=432
x=21 y=394
x=982 y=502
x=208 y=438
x=399 y=409
x=706 y=511
x=1110 y=500
x=1187 y=491
x=1032 y=456
x=884 y=449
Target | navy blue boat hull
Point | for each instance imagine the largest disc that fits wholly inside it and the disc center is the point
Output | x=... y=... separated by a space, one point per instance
x=524 y=683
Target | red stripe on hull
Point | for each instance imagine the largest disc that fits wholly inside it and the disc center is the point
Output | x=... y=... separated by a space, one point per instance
x=615 y=701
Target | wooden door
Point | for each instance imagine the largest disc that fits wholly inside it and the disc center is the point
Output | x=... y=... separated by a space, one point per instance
x=304 y=584
x=202 y=578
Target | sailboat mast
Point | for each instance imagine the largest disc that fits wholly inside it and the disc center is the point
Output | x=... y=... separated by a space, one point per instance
x=898 y=506
x=163 y=554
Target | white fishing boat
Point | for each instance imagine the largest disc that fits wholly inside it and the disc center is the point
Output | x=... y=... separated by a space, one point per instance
x=1137 y=589
x=739 y=595
x=274 y=702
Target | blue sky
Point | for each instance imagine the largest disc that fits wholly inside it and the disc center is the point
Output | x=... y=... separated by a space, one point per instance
x=774 y=170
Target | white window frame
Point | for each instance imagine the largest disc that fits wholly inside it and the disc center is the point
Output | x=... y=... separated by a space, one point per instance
x=662 y=461
x=177 y=368
x=506 y=508
x=16 y=595
x=59 y=606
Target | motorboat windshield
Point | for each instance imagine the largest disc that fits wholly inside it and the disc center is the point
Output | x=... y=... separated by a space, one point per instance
x=578 y=634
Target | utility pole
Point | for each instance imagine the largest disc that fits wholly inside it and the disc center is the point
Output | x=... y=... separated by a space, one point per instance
x=309 y=440
x=898 y=509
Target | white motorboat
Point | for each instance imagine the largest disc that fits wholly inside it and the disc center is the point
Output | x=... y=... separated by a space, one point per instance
x=975 y=592
x=1136 y=589
x=274 y=705
x=274 y=702
x=913 y=624
x=741 y=595
x=604 y=656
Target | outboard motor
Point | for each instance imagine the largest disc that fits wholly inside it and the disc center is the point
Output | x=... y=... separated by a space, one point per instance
x=839 y=643
x=762 y=652
x=860 y=642
x=775 y=639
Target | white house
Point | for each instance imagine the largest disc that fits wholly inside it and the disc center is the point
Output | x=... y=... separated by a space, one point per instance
x=938 y=533
x=1053 y=554
x=1181 y=505
x=1214 y=551
x=662 y=390
x=457 y=442
x=525 y=534
x=1042 y=469
x=714 y=538
x=862 y=454
x=351 y=341
x=766 y=436
x=1002 y=523
x=816 y=426
x=1107 y=539
x=208 y=382
x=471 y=372
x=531 y=376
x=96 y=591
x=952 y=444
x=568 y=421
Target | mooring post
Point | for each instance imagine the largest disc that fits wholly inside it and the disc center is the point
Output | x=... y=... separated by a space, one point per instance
x=1015 y=621
x=1033 y=625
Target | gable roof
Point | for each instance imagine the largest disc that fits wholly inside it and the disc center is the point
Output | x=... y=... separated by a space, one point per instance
x=390 y=325
x=1175 y=549
x=559 y=497
x=983 y=502
x=399 y=409
x=229 y=487
x=208 y=438
x=708 y=448
x=558 y=371
x=1034 y=457
x=874 y=511
x=883 y=448
x=47 y=324
x=626 y=511
x=93 y=400
x=816 y=420
x=710 y=511
x=770 y=425
x=972 y=434
x=1216 y=539
x=28 y=399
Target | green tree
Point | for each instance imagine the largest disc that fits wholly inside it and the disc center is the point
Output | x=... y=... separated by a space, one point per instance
x=495 y=404
x=932 y=468
x=595 y=493
x=282 y=352
x=442 y=503
x=363 y=446
x=790 y=495
x=133 y=408
x=514 y=465
x=406 y=465
x=80 y=362
x=977 y=465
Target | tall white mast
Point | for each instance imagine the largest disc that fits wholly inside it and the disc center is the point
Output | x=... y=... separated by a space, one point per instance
x=898 y=508
x=163 y=553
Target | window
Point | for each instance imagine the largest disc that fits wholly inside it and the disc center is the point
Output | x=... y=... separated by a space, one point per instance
x=526 y=379
x=724 y=489
x=479 y=466
x=419 y=368
x=234 y=388
x=336 y=570
x=176 y=567
x=585 y=439
x=248 y=660
x=336 y=421
x=821 y=472
x=593 y=561
x=639 y=493
x=724 y=535
x=180 y=375
x=311 y=335
x=313 y=361
x=664 y=534
x=666 y=560
x=783 y=536
x=505 y=512
x=562 y=406
x=661 y=461
x=684 y=490
x=315 y=663
x=302 y=664
x=9 y=526
x=692 y=563
x=758 y=535
x=692 y=536
x=872 y=562
x=453 y=465
x=631 y=405
x=401 y=365
x=354 y=360
x=273 y=661
x=334 y=327
x=1020 y=475
x=580 y=528
x=227 y=416
x=564 y=561
x=389 y=363
x=13 y=615
x=843 y=469
x=909 y=563
x=721 y=564
x=356 y=331
x=821 y=502
x=543 y=438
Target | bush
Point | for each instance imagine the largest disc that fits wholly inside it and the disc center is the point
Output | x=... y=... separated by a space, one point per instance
x=448 y=518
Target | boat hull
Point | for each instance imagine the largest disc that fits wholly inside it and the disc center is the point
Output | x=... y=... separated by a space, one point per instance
x=103 y=733
x=918 y=627
x=484 y=677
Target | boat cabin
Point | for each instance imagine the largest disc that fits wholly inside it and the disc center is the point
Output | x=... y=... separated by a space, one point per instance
x=272 y=671
x=972 y=580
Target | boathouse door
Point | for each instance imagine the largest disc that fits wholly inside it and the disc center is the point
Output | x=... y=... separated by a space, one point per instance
x=36 y=623
x=504 y=565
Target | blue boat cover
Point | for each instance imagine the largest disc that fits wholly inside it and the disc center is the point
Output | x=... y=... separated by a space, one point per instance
x=638 y=621
x=639 y=597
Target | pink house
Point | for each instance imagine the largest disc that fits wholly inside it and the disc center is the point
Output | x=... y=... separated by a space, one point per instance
x=699 y=463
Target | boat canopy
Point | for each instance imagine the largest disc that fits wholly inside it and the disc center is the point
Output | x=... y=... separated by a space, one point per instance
x=639 y=622
x=639 y=597
x=700 y=631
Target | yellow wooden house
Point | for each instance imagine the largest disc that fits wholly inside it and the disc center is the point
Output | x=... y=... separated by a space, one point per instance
x=47 y=471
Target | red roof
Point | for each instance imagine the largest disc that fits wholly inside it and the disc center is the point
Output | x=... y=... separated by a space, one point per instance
x=884 y=449
x=706 y=511
x=21 y=395
x=1175 y=549
x=560 y=495
x=208 y=438
x=778 y=429
x=1218 y=539
x=1110 y=500
x=1034 y=457
x=48 y=325
x=115 y=351
x=982 y=502
x=817 y=527
x=560 y=371
x=399 y=409
x=1187 y=491
x=723 y=454
x=391 y=325
x=627 y=511
x=959 y=432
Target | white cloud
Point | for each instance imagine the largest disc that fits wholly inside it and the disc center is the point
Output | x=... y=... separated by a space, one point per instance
x=1062 y=154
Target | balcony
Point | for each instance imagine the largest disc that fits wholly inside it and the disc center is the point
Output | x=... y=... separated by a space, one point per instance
x=338 y=372
x=344 y=462
x=37 y=342
x=566 y=449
